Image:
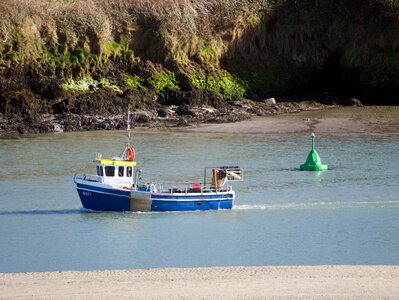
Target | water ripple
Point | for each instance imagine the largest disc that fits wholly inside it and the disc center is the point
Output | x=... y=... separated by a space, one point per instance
x=313 y=205
x=42 y=212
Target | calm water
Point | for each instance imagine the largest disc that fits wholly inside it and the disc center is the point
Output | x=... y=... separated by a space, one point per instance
x=282 y=216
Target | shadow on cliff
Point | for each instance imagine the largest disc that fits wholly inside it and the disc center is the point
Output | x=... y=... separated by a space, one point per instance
x=316 y=46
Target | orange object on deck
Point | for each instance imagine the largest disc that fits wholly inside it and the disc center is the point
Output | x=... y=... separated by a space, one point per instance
x=130 y=154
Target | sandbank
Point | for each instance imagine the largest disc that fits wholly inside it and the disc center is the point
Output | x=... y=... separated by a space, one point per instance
x=280 y=282
x=377 y=120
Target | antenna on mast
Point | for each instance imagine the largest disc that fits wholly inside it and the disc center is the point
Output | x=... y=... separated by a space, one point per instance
x=128 y=126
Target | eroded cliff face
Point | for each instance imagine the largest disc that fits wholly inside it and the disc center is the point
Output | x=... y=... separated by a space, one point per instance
x=59 y=55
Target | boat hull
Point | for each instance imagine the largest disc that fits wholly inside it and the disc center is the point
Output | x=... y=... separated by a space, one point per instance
x=200 y=203
x=102 y=197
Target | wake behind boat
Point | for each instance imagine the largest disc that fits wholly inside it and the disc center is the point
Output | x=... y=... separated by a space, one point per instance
x=117 y=186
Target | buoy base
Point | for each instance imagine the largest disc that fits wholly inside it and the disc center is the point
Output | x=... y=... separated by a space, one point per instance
x=318 y=167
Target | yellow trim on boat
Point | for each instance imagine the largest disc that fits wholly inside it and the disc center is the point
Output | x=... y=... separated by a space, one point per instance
x=116 y=162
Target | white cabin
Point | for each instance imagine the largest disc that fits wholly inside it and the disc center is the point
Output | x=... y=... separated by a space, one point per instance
x=116 y=172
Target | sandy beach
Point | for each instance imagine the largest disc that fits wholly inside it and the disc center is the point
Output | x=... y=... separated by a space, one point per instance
x=289 y=282
x=377 y=120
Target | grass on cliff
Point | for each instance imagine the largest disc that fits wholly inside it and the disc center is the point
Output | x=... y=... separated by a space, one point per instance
x=225 y=39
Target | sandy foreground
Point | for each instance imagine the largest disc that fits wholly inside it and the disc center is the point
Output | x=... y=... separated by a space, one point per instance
x=378 y=120
x=290 y=282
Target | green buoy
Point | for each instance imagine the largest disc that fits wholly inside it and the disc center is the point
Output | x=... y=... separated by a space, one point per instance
x=313 y=161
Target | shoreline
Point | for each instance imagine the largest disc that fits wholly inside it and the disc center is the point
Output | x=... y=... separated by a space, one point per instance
x=335 y=121
x=370 y=120
x=267 y=282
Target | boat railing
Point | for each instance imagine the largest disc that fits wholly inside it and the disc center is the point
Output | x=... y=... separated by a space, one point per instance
x=191 y=187
x=88 y=177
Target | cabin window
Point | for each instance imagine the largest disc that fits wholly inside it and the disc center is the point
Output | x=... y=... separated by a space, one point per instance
x=109 y=171
x=100 y=171
x=129 y=172
x=121 y=171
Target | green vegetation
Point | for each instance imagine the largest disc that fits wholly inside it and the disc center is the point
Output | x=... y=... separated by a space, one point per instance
x=84 y=85
x=208 y=54
x=225 y=85
x=134 y=82
x=88 y=85
x=77 y=59
x=114 y=50
x=231 y=47
x=162 y=81
x=110 y=84
x=231 y=87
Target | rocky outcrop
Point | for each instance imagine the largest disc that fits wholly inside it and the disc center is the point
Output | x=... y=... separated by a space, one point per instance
x=106 y=110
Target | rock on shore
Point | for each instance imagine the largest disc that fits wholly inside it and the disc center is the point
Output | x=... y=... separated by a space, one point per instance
x=105 y=110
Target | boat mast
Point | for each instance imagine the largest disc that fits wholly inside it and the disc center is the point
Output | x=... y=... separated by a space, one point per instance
x=128 y=126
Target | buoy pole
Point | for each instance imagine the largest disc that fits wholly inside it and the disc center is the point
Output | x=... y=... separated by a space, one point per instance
x=313 y=146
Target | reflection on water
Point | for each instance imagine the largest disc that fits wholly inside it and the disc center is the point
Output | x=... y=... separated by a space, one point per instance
x=282 y=216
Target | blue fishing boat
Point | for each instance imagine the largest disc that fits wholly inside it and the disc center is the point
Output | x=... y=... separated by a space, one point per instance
x=118 y=186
